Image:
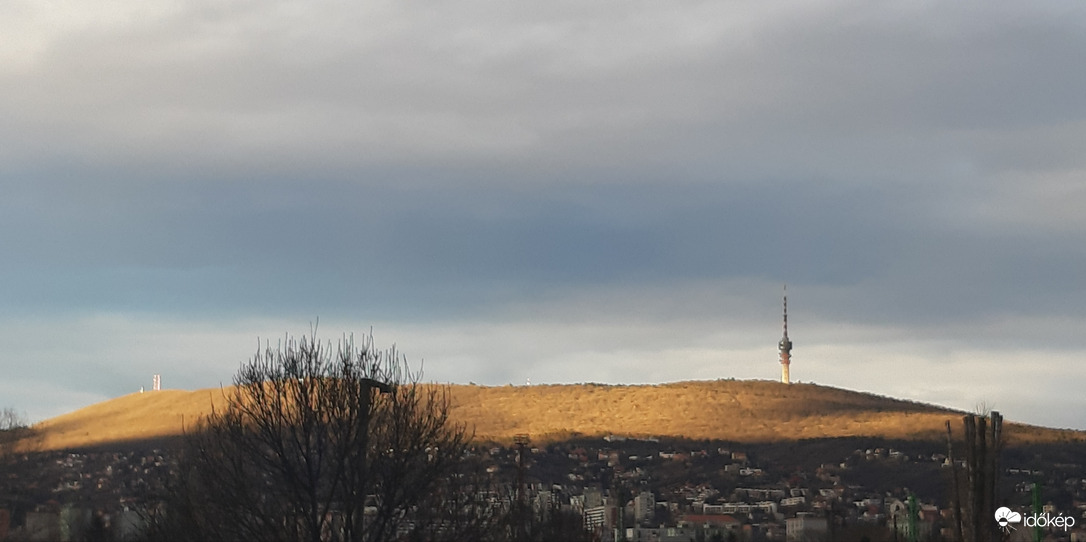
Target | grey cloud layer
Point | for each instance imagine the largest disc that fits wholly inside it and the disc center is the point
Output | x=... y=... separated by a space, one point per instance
x=913 y=171
x=456 y=248
x=818 y=88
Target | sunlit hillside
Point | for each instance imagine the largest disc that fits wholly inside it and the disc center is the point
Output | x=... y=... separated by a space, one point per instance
x=138 y=416
x=749 y=411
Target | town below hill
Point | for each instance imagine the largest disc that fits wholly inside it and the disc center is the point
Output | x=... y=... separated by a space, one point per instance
x=622 y=488
x=718 y=460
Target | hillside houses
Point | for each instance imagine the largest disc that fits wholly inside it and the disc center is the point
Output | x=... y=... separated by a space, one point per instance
x=622 y=488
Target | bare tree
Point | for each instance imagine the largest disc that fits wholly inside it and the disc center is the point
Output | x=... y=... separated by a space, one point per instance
x=324 y=443
x=17 y=440
x=15 y=434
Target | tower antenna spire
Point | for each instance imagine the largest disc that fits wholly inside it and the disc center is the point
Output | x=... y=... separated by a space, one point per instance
x=785 y=346
x=786 y=310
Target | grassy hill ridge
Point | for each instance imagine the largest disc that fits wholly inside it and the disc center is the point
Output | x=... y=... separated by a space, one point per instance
x=735 y=410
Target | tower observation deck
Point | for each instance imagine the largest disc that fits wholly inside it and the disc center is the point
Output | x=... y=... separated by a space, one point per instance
x=785 y=346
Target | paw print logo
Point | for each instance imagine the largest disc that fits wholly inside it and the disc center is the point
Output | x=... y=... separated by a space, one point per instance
x=1006 y=518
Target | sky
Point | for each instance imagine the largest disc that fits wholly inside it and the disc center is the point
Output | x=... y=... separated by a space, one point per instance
x=553 y=192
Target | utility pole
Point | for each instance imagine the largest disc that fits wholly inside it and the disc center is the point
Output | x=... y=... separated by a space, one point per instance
x=956 y=495
x=914 y=516
x=1037 y=509
x=366 y=387
x=521 y=442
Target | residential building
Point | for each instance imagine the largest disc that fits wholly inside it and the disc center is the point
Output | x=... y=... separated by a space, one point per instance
x=805 y=528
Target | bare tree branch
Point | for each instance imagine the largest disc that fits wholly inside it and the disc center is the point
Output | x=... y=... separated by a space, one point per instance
x=325 y=442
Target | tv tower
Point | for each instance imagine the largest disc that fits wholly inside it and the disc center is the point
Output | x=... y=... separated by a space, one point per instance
x=785 y=346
